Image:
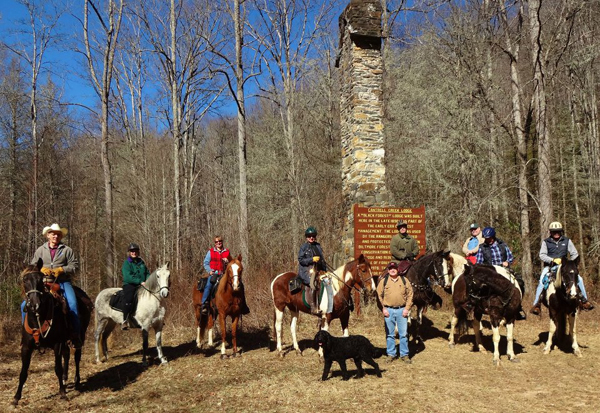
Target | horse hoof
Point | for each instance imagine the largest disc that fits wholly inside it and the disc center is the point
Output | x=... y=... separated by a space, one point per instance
x=163 y=360
x=144 y=364
x=577 y=353
x=15 y=403
x=546 y=351
x=451 y=345
x=281 y=355
x=224 y=356
x=515 y=360
x=496 y=363
x=299 y=353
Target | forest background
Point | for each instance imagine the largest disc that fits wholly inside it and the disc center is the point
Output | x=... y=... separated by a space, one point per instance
x=205 y=118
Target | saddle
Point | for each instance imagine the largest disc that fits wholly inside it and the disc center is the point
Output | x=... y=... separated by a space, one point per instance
x=117 y=302
x=54 y=288
x=404 y=266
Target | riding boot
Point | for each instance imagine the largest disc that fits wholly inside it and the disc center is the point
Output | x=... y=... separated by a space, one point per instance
x=314 y=305
x=521 y=315
x=537 y=308
x=586 y=305
x=205 y=306
x=125 y=323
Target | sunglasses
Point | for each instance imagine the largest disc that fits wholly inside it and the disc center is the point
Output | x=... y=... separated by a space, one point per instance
x=218 y=242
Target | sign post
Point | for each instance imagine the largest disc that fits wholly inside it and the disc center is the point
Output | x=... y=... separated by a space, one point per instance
x=374 y=228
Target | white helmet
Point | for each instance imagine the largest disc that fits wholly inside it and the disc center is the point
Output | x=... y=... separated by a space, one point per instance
x=555 y=226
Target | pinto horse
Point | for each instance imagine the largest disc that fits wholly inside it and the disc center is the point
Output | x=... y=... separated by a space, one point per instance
x=353 y=275
x=228 y=299
x=562 y=301
x=485 y=289
x=427 y=270
x=46 y=326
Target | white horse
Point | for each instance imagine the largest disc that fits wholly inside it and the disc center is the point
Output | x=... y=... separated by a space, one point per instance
x=149 y=313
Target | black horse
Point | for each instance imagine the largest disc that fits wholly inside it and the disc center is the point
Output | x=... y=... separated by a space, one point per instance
x=46 y=326
x=427 y=271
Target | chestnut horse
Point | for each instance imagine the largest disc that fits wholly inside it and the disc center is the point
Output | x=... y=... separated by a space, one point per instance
x=353 y=275
x=484 y=289
x=227 y=301
x=561 y=298
x=46 y=326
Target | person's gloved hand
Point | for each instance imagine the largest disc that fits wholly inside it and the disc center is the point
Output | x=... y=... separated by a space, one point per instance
x=557 y=261
x=316 y=258
x=58 y=271
x=46 y=271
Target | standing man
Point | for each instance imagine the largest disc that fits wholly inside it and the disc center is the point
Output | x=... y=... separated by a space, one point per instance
x=135 y=273
x=403 y=246
x=60 y=264
x=554 y=249
x=396 y=297
x=471 y=245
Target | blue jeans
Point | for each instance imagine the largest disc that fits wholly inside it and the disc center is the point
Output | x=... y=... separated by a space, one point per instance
x=540 y=286
x=394 y=320
x=207 y=290
x=67 y=290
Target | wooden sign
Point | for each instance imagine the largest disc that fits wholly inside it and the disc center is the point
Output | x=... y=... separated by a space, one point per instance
x=374 y=228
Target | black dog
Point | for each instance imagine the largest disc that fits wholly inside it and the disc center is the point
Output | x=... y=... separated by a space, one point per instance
x=340 y=349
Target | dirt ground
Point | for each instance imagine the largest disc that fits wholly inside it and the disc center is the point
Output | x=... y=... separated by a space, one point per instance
x=439 y=380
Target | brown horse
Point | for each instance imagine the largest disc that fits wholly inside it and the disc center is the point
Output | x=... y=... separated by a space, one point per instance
x=353 y=275
x=484 y=289
x=563 y=304
x=227 y=302
x=46 y=326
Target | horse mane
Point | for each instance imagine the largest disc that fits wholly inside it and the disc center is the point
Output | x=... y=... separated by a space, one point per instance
x=222 y=283
x=458 y=264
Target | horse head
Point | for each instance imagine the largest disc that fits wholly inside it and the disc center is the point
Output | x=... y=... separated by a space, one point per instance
x=363 y=274
x=163 y=277
x=567 y=276
x=440 y=268
x=234 y=272
x=33 y=287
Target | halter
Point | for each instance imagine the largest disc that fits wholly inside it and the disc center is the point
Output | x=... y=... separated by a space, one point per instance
x=156 y=294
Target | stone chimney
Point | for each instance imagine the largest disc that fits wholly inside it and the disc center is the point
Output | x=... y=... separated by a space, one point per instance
x=361 y=109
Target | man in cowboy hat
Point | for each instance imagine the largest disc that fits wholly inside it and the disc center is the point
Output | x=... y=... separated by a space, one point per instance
x=59 y=265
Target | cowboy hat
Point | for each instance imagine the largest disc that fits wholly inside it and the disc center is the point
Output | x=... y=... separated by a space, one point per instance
x=55 y=227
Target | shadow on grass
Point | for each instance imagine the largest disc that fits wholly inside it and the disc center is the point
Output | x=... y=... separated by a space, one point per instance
x=247 y=340
x=114 y=378
x=427 y=332
x=561 y=342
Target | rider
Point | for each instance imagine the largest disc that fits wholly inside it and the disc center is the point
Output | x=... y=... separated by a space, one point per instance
x=215 y=263
x=135 y=273
x=554 y=249
x=59 y=265
x=403 y=246
x=494 y=251
x=311 y=261
x=471 y=245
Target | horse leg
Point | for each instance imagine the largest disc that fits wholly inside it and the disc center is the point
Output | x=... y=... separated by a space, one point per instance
x=551 y=331
x=278 y=333
x=477 y=333
x=419 y=323
x=496 y=339
x=293 y=330
x=234 y=323
x=198 y=317
x=573 y=334
x=223 y=326
x=509 y=342
x=158 y=332
x=344 y=321
x=211 y=333
x=98 y=335
x=59 y=354
x=26 y=352
x=77 y=361
x=66 y=356
x=453 y=323
x=144 y=347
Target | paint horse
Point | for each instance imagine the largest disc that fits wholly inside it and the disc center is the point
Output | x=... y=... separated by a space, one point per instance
x=46 y=326
x=354 y=275
x=428 y=270
x=228 y=299
x=149 y=313
x=561 y=298
x=485 y=289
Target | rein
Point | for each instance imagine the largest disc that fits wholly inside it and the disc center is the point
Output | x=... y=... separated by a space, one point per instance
x=43 y=329
x=351 y=287
x=155 y=294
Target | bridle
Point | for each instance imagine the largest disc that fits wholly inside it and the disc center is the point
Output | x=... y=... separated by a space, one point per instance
x=43 y=329
x=156 y=294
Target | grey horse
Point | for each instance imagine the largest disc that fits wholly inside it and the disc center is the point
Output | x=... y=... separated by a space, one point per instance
x=150 y=312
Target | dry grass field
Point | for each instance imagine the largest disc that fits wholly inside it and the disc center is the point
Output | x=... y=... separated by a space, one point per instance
x=439 y=380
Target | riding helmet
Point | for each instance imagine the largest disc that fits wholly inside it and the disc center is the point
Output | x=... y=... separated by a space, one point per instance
x=489 y=232
x=555 y=226
x=310 y=232
x=133 y=247
x=401 y=224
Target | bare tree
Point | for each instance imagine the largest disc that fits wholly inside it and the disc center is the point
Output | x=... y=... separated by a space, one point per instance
x=108 y=34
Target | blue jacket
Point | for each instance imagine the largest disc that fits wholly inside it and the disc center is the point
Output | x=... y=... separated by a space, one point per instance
x=305 y=260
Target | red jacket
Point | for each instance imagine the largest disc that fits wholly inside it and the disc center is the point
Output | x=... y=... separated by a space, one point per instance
x=216 y=259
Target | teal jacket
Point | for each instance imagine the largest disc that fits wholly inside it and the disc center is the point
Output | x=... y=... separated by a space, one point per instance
x=134 y=271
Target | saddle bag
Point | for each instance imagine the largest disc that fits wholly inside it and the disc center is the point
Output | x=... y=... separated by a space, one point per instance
x=295 y=285
x=202 y=283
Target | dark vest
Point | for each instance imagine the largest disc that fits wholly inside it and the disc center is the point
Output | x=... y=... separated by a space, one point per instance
x=487 y=252
x=557 y=249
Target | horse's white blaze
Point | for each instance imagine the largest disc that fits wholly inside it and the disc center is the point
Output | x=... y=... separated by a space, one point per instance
x=573 y=291
x=235 y=270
